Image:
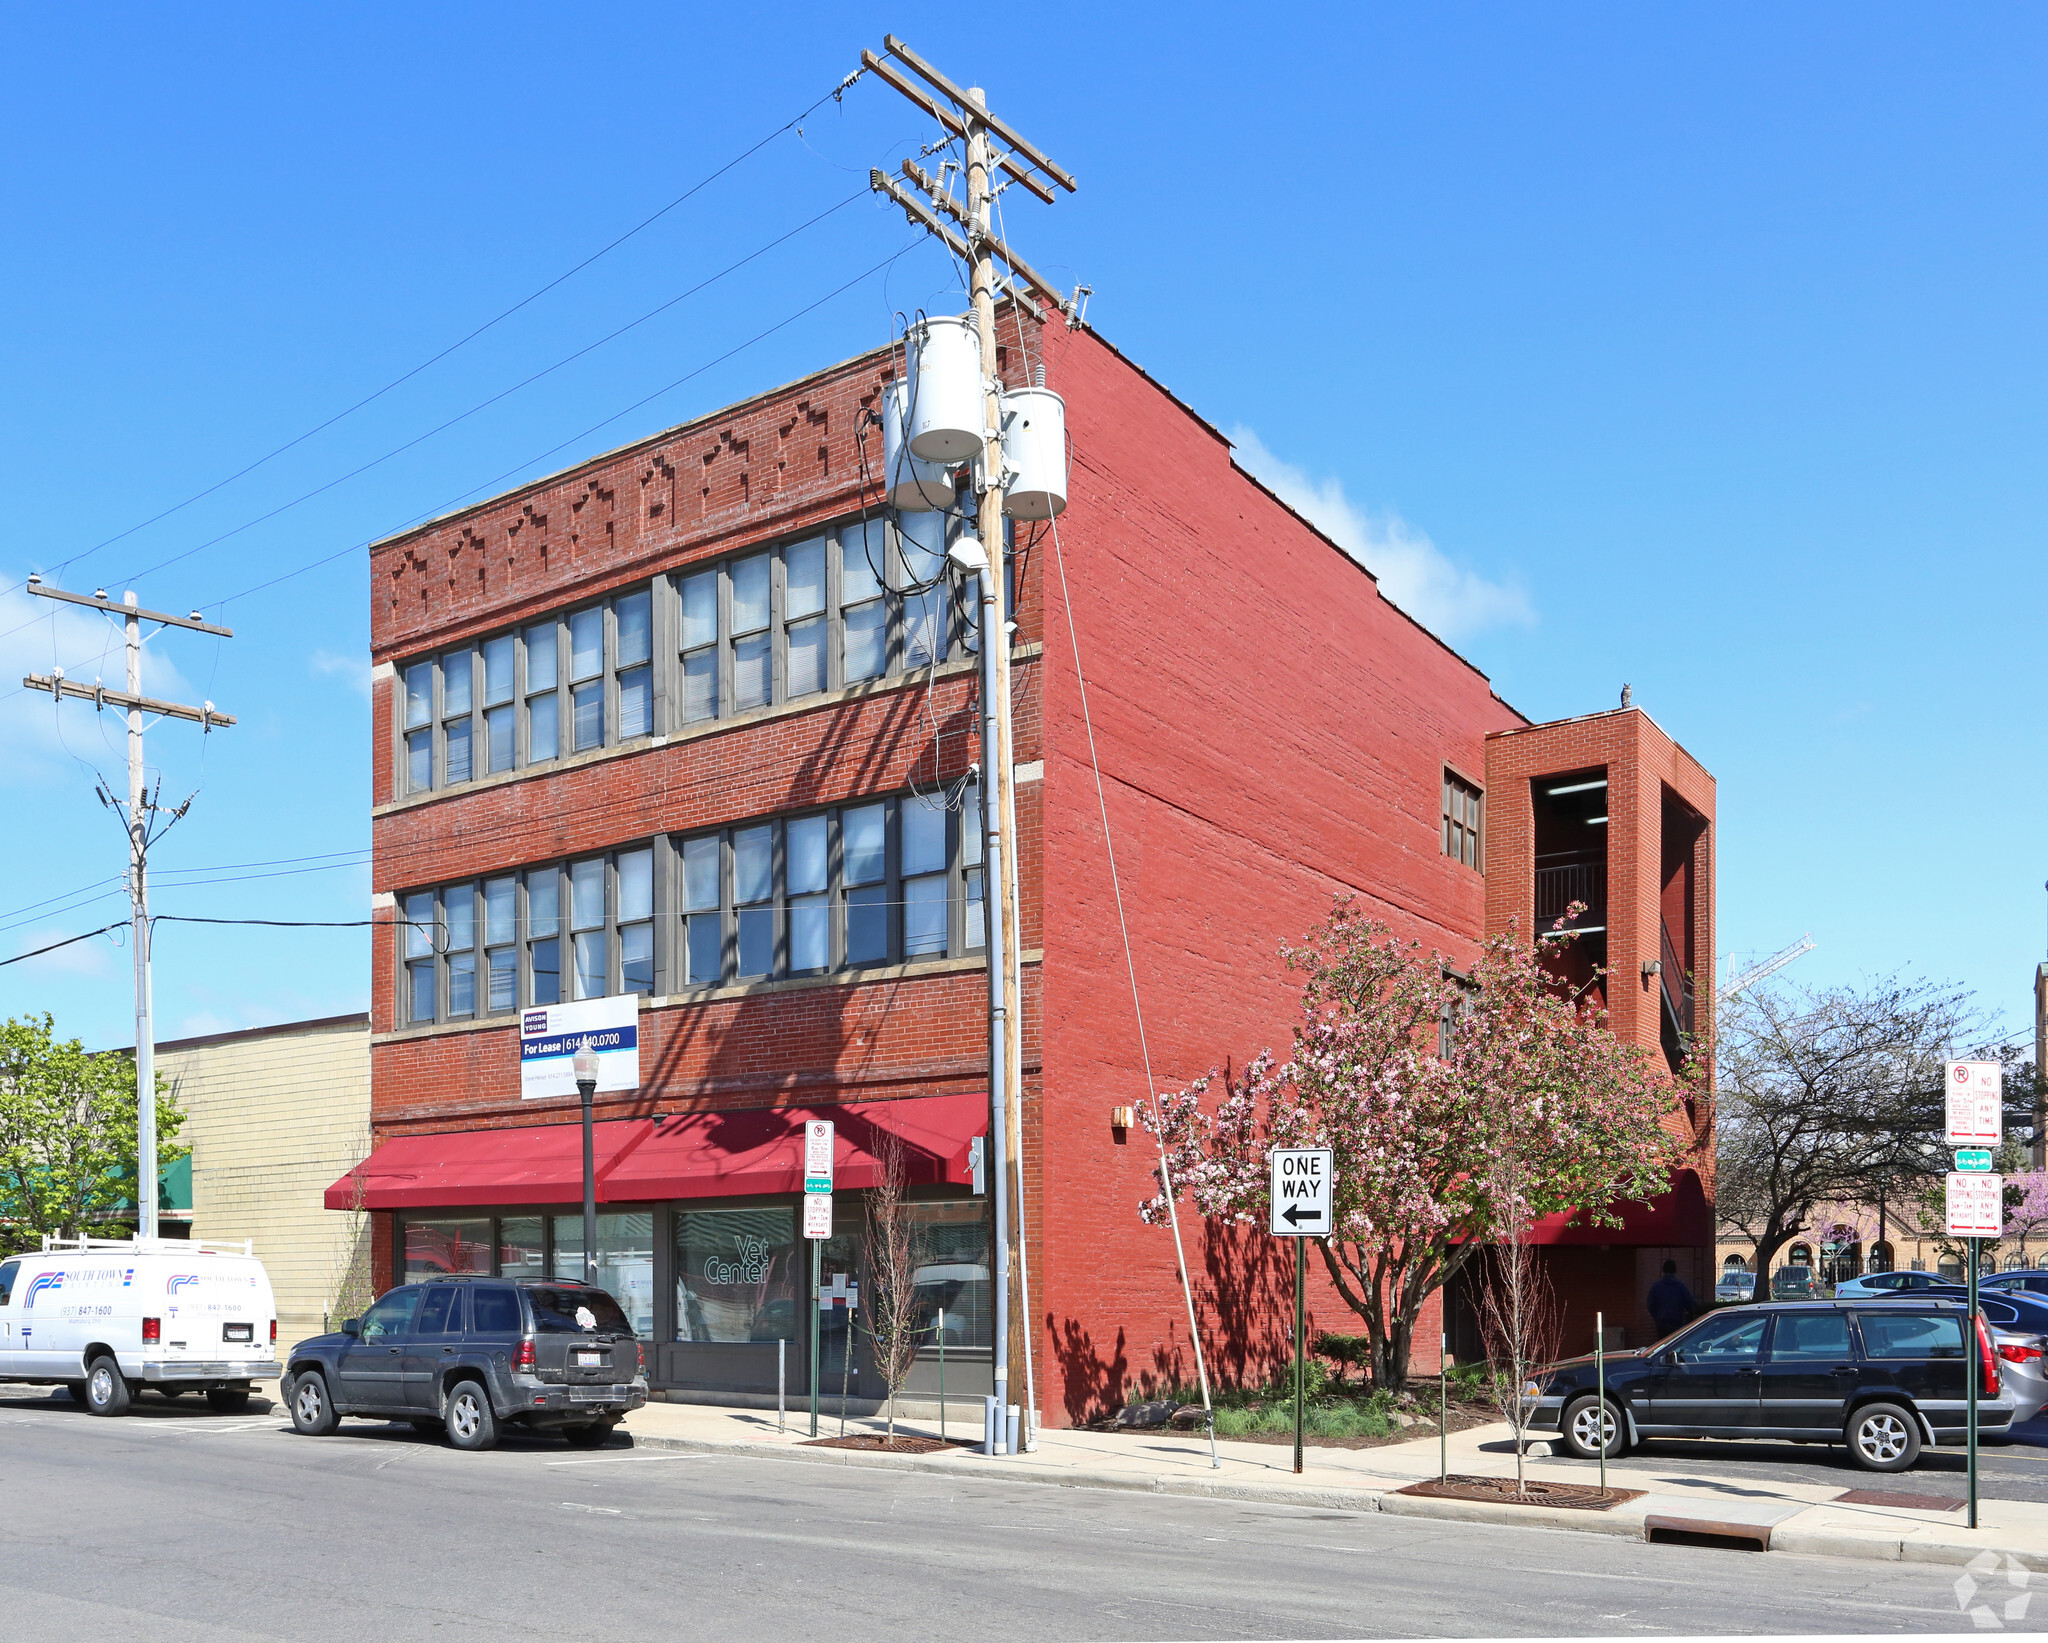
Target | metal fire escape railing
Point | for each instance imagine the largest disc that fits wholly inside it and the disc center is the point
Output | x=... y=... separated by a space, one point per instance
x=1557 y=887
x=1676 y=981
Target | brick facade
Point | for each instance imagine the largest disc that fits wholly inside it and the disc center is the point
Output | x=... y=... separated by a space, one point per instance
x=1271 y=732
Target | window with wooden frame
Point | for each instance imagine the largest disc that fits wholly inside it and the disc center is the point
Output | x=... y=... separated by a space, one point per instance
x=1464 y=821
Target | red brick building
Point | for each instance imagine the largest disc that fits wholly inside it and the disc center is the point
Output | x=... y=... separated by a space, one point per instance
x=692 y=720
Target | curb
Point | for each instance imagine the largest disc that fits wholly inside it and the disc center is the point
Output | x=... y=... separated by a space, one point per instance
x=1626 y=1523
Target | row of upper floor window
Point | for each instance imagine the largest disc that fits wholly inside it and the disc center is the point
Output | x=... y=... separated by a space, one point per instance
x=866 y=600
x=880 y=882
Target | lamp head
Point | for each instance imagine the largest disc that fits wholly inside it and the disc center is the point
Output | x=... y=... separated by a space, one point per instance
x=969 y=555
x=585 y=1063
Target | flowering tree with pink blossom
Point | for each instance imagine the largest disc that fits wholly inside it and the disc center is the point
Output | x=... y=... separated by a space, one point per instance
x=1423 y=1082
x=2026 y=1216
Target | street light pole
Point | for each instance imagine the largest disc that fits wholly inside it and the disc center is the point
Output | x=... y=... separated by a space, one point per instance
x=585 y=1063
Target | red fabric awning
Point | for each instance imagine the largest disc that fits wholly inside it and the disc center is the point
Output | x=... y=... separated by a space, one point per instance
x=1679 y=1219
x=724 y=1154
x=694 y=1155
x=533 y=1164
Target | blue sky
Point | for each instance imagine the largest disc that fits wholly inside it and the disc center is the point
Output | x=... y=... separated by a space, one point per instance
x=1700 y=349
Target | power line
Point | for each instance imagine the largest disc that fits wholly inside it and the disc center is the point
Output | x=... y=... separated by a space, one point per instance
x=66 y=942
x=481 y=405
x=503 y=393
x=462 y=342
x=488 y=484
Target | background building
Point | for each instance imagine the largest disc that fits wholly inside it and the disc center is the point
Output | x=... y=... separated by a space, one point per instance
x=693 y=720
x=272 y=1116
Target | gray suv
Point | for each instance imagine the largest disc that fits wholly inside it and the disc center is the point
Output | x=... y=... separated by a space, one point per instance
x=470 y=1356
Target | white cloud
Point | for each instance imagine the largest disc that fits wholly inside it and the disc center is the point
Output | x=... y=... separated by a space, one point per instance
x=36 y=634
x=354 y=670
x=1413 y=571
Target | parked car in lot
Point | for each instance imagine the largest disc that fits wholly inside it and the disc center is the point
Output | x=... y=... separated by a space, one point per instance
x=1735 y=1286
x=107 y=1317
x=1886 y=1283
x=2018 y=1323
x=1884 y=1377
x=2034 y=1283
x=471 y=1356
x=1793 y=1283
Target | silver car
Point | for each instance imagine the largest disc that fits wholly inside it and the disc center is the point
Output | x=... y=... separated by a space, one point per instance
x=1873 y=1284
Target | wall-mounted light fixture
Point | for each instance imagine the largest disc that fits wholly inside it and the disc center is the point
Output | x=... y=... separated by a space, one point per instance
x=1123 y=1118
x=1654 y=967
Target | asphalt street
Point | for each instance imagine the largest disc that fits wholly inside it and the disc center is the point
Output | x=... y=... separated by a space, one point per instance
x=184 y=1527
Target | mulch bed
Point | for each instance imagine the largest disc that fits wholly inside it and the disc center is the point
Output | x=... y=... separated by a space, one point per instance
x=1900 y=1500
x=1582 y=1497
x=903 y=1443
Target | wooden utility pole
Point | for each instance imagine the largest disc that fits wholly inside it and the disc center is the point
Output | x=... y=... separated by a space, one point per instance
x=136 y=814
x=992 y=146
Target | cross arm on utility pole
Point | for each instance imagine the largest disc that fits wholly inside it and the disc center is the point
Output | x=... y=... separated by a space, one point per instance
x=60 y=687
x=893 y=77
x=1002 y=128
x=926 y=218
x=100 y=601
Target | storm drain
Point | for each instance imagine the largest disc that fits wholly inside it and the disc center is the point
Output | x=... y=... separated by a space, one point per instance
x=1700 y=1531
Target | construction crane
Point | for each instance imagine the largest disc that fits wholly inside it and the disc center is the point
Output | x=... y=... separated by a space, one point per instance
x=1756 y=972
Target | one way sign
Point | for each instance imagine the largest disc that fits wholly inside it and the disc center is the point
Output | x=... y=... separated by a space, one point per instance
x=1301 y=1182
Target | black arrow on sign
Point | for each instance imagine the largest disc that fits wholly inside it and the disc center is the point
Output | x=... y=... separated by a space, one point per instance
x=1294 y=1215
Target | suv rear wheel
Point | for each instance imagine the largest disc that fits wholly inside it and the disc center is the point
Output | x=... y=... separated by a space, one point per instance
x=1883 y=1437
x=471 y=1424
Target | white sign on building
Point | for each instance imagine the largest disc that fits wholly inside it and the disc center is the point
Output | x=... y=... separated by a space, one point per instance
x=550 y=1035
x=1976 y=1205
x=1975 y=1105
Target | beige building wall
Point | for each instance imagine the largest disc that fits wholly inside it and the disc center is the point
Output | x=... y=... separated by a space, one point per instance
x=274 y=1116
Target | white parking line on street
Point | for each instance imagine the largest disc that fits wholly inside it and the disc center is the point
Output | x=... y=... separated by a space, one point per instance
x=581 y=1506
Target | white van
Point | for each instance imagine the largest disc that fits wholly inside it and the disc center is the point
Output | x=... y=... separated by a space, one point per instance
x=106 y=1317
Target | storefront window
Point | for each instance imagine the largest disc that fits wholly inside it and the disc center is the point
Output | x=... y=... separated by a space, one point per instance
x=625 y=1260
x=519 y=1247
x=434 y=1249
x=953 y=1274
x=736 y=1275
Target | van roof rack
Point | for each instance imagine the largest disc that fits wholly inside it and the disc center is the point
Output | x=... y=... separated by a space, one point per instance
x=53 y=1245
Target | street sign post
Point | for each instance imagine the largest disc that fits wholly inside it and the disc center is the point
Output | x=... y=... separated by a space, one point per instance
x=1975 y=1103
x=1975 y=1209
x=1300 y=1206
x=818 y=1143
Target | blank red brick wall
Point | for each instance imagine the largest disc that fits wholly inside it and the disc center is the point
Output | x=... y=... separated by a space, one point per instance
x=1272 y=733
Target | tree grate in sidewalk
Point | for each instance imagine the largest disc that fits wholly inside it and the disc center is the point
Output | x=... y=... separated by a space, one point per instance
x=1584 y=1497
x=1901 y=1500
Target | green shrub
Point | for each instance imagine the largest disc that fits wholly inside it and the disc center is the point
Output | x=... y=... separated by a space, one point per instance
x=1345 y=1351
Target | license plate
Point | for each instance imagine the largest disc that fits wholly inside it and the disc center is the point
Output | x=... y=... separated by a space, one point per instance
x=238 y=1332
x=589 y=1360
x=598 y=1394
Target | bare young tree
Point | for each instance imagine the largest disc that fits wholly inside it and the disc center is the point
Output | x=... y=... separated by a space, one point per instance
x=1828 y=1095
x=896 y=1250
x=1521 y=1321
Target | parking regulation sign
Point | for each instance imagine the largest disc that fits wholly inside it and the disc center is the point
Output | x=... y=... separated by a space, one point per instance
x=1976 y=1205
x=1301 y=1187
x=818 y=1136
x=1975 y=1104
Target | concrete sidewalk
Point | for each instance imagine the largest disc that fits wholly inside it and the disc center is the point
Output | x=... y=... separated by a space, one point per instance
x=1794 y=1517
